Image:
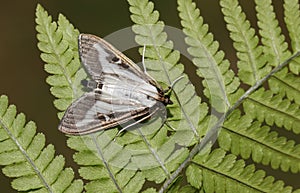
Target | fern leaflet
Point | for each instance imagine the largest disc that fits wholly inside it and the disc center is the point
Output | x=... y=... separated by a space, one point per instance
x=292 y=20
x=275 y=49
x=218 y=172
x=25 y=157
x=59 y=52
x=245 y=137
x=252 y=64
x=161 y=58
x=274 y=45
x=273 y=109
x=220 y=83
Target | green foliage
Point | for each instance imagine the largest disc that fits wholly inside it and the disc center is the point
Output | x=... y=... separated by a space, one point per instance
x=220 y=82
x=245 y=137
x=273 y=109
x=161 y=58
x=286 y=84
x=292 y=20
x=252 y=63
x=218 y=172
x=275 y=48
x=33 y=166
x=57 y=42
x=274 y=45
x=145 y=158
x=158 y=148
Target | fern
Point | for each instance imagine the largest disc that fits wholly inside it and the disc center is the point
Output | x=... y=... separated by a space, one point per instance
x=286 y=84
x=292 y=20
x=218 y=172
x=156 y=156
x=156 y=148
x=151 y=155
x=220 y=83
x=161 y=58
x=243 y=136
x=252 y=63
x=59 y=52
x=26 y=159
x=272 y=109
x=275 y=48
x=274 y=45
x=276 y=149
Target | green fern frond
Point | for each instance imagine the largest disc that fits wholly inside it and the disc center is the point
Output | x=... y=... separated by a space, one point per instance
x=285 y=83
x=276 y=50
x=129 y=165
x=273 y=109
x=218 y=172
x=220 y=83
x=96 y=172
x=59 y=51
x=252 y=64
x=164 y=149
x=274 y=45
x=134 y=160
x=131 y=155
x=162 y=63
x=26 y=159
x=292 y=20
x=245 y=137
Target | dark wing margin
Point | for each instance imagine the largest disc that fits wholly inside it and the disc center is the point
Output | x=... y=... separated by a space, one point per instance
x=89 y=55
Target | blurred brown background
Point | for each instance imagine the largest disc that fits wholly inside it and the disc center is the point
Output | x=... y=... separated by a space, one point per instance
x=22 y=77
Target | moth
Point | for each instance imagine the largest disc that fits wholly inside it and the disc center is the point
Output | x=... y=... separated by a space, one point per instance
x=120 y=93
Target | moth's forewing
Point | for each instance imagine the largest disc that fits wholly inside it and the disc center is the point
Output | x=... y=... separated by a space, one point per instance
x=95 y=52
x=102 y=61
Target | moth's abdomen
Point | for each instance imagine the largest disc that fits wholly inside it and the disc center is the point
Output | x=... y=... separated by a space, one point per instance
x=133 y=94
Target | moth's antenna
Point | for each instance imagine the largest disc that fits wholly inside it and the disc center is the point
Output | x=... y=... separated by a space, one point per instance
x=143 y=59
x=175 y=81
x=173 y=84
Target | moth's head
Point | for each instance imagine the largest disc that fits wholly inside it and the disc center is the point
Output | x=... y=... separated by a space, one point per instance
x=167 y=100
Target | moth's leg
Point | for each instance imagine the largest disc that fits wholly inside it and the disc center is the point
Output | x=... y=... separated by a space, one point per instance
x=166 y=122
x=132 y=124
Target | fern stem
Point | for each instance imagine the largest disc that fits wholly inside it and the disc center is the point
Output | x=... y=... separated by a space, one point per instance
x=162 y=165
x=212 y=133
x=106 y=164
x=30 y=161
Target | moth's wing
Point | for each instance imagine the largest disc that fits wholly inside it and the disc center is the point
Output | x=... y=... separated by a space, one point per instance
x=108 y=66
x=94 y=112
x=99 y=57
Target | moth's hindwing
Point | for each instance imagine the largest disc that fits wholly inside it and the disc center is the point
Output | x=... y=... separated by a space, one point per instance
x=121 y=91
